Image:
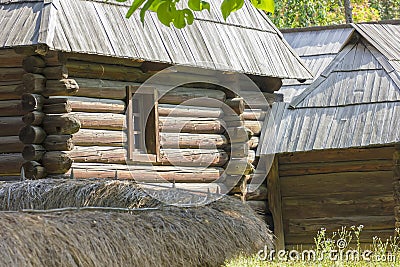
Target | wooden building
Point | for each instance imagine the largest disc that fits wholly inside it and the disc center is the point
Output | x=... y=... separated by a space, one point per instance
x=68 y=71
x=336 y=139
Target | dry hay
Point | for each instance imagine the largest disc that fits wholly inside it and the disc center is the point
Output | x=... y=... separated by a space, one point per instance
x=50 y=194
x=162 y=236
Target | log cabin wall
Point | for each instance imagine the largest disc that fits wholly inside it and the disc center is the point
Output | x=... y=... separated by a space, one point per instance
x=11 y=75
x=332 y=188
x=76 y=121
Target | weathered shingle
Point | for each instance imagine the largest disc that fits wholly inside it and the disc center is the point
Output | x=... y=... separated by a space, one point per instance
x=247 y=42
x=355 y=102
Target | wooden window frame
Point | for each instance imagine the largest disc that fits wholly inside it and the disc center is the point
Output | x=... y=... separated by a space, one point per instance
x=149 y=129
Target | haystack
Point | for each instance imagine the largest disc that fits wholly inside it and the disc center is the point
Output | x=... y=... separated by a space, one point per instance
x=151 y=234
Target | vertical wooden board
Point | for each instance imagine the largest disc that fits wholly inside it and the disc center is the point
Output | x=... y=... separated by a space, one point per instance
x=275 y=203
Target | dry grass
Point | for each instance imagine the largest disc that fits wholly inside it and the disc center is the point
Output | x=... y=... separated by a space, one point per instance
x=165 y=236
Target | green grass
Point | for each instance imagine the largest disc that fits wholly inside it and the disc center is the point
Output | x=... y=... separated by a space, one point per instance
x=341 y=242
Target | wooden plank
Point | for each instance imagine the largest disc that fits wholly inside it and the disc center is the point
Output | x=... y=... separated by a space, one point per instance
x=330 y=155
x=275 y=203
x=335 y=167
x=334 y=223
x=349 y=205
x=365 y=237
x=378 y=182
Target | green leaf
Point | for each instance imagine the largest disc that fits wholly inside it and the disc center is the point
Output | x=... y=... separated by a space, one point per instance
x=179 y=19
x=198 y=5
x=135 y=5
x=164 y=14
x=188 y=16
x=229 y=6
x=156 y=4
x=144 y=9
x=266 y=5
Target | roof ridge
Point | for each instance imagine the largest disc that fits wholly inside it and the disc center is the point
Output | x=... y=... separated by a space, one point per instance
x=322 y=77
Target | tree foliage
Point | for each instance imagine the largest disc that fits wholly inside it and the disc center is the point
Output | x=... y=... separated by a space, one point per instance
x=304 y=13
x=180 y=14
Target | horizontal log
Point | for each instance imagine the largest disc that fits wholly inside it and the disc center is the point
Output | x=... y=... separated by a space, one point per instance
x=334 y=155
x=10 y=164
x=57 y=108
x=33 y=152
x=84 y=69
x=32 y=135
x=193 y=157
x=188 y=111
x=189 y=140
x=191 y=125
x=61 y=124
x=10 y=126
x=10 y=58
x=98 y=154
x=335 y=167
x=58 y=143
x=63 y=87
x=56 y=162
x=11 y=91
x=10 y=144
x=192 y=97
x=101 y=121
x=64 y=57
x=86 y=137
x=147 y=173
x=33 y=170
x=254 y=126
x=33 y=118
x=55 y=72
x=254 y=114
x=33 y=83
x=11 y=108
x=98 y=88
x=85 y=104
x=11 y=74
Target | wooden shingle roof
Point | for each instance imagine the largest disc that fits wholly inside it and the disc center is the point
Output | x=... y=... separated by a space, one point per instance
x=355 y=102
x=247 y=42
